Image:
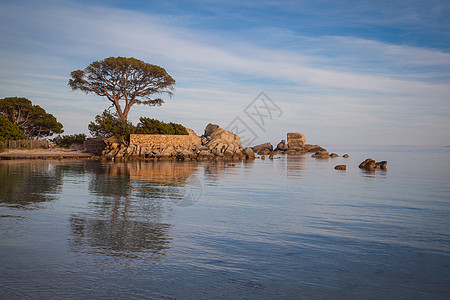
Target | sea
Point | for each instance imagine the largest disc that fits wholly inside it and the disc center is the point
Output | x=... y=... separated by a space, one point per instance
x=288 y=228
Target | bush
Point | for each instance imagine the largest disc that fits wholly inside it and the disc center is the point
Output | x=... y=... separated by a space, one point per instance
x=10 y=131
x=68 y=140
x=152 y=126
x=108 y=124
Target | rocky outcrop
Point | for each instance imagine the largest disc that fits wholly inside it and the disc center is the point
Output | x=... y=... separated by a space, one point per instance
x=370 y=164
x=215 y=143
x=222 y=143
x=296 y=140
x=334 y=155
x=263 y=149
x=296 y=144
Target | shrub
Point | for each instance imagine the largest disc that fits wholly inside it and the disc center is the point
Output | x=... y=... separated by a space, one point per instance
x=68 y=140
x=108 y=124
x=10 y=131
x=152 y=126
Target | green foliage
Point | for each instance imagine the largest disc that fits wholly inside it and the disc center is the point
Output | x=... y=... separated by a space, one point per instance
x=122 y=79
x=108 y=124
x=32 y=120
x=68 y=140
x=152 y=126
x=9 y=131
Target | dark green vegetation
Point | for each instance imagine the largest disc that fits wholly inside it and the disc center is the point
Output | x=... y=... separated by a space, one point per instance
x=152 y=126
x=69 y=140
x=9 y=131
x=33 y=120
x=109 y=124
x=121 y=79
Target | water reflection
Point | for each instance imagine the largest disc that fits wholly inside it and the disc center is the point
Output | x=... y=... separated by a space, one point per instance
x=25 y=185
x=295 y=165
x=131 y=212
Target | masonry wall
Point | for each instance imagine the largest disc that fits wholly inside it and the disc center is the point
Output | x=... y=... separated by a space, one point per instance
x=162 y=141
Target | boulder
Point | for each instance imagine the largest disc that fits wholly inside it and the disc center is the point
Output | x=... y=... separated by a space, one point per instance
x=381 y=164
x=313 y=148
x=370 y=164
x=341 y=167
x=185 y=154
x=345 y=155
x=296 y=139
x=265 y=146
x=282 y=145
x=210 y=128
x=321 y=154
x=334 y=155
x=264 y=152
x=248 y=152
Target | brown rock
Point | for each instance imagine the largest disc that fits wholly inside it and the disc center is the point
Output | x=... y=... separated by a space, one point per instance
x=248 y=152
x=341 y=167
x=370 y=164
x=313 y=148
x=264 y=152
x=334 y=155
x=296 y=139
x=382 y=164
x=282 y=146
x=321 y=154
x=264 y=146
x=345 y=155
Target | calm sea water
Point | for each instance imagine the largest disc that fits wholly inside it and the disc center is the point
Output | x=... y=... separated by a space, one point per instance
x=278 y=229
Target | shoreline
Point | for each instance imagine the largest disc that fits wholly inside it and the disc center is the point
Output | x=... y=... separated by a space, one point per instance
x=52 y=153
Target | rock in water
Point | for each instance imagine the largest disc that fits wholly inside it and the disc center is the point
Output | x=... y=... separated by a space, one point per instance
x=296 y=140
x=341 y=167
x=321 y=154
x=370 y=164
x=262 y=147
x=282 y=146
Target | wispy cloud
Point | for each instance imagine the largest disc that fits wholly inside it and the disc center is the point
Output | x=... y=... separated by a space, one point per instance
x=340 y=81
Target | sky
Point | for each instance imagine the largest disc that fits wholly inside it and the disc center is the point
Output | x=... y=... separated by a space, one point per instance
x=343 y=73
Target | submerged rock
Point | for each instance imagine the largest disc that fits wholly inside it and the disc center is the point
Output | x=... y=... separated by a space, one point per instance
x=341 y=167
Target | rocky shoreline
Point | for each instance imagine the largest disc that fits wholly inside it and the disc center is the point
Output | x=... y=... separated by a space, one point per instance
x=216 y=143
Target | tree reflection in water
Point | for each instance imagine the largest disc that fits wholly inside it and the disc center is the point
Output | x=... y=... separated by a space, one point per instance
x=27 y=184
x=130 y=213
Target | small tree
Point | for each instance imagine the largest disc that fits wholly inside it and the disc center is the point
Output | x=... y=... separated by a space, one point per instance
x=129 y=80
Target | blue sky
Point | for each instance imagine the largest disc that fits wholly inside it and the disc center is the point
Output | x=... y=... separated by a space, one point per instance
x=341 y=72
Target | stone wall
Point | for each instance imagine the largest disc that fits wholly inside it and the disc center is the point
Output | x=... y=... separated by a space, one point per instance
x=94 y=145
x=163 y=141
